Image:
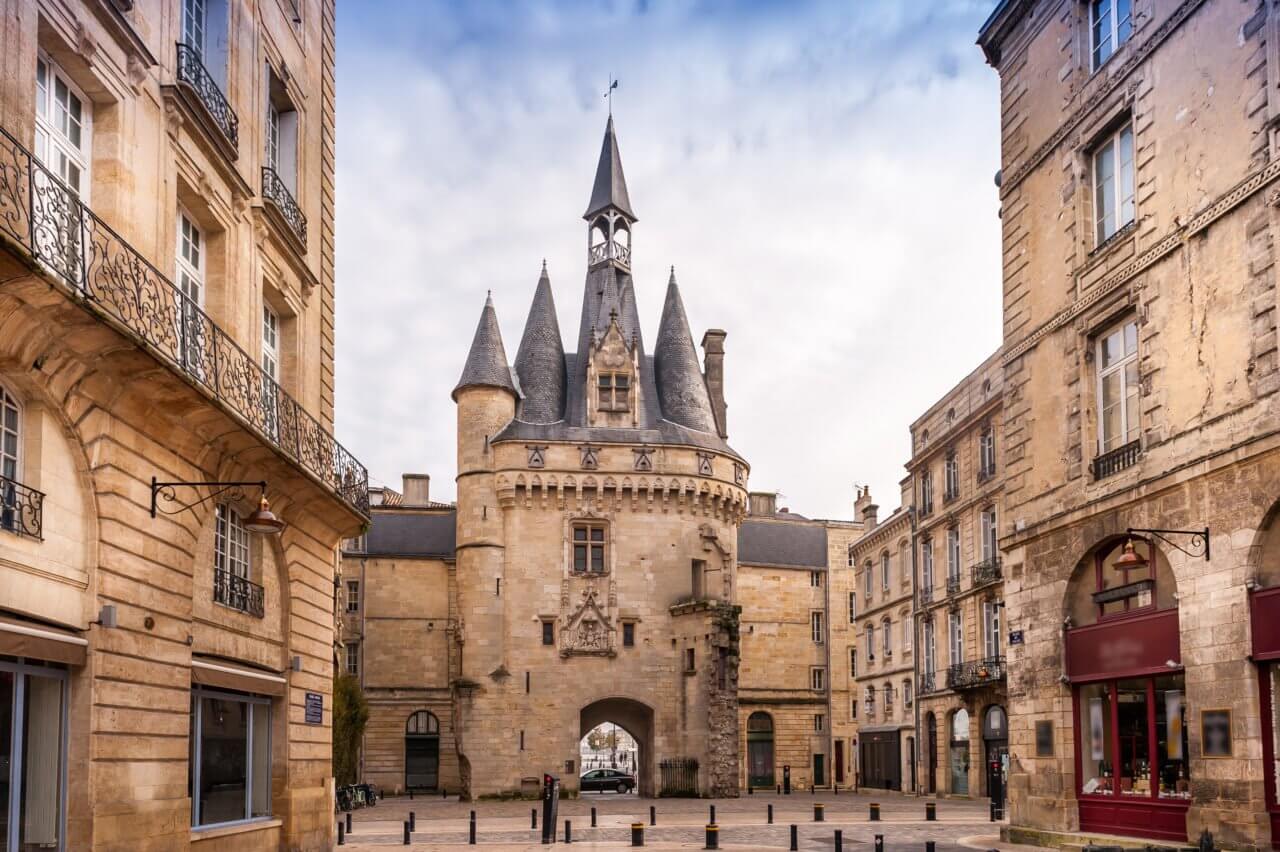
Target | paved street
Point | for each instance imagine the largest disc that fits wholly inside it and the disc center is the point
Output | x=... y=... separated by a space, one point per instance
x=442 y=823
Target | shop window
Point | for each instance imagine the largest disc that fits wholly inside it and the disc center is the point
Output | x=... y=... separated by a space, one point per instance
x=589 y=546
x=1133 y=738
x=32 y=756
x=230 y=770
x=960 y=752
x=1122 y=577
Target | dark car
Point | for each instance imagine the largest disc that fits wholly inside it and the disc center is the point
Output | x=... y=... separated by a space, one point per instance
x=607 y=779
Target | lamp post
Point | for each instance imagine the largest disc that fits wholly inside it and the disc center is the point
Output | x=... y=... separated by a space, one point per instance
x=261 y=520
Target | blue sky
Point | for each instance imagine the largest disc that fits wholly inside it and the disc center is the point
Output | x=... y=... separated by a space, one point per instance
x=820 y=175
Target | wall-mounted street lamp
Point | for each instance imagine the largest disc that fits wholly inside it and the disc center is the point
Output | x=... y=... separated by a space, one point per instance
x=260 y=520
x=1197 y=545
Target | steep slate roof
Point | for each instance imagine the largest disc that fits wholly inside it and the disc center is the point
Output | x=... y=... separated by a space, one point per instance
x=681 y=389
x=776 y=542
x=402 y=533
x=610 y=188
x=540 y=359
x=487 y=361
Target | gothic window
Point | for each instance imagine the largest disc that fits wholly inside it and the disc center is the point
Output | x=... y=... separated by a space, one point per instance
x=643 y=460
x=615 y=391
x=1110 y=25
x=704 y=464
x=1113 y=186
x=590 y=458
x=537 y=456
x=589 y=547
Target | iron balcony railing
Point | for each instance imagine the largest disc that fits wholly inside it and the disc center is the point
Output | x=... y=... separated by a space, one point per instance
x=926 y=593
x=234 y=591
x=1116 y=460
x=47 y=220
x=950 y=494
x=987 y=571
x=974 y=674
x=21 y=509
x=985 y=473
x=953 y=584
x=191 y=71
x=610 y=251
x=274 y=190
x=927 y=683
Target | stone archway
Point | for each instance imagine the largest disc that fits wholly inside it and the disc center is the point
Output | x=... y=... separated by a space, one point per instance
x=634 y=717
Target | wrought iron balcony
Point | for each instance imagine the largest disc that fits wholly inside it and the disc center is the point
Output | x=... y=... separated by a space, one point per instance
x=234 y=591
x=1116 y=460
x=40 y=216
x=926 y=506
x=986 y=472
x=610 y=251
x=927 y=683
x=274 y=190
x=987 y=571
x=21 y=509
x=978 y=673
x=926 y=593
x=950 y=494
x=953 y=584
x=191 y=72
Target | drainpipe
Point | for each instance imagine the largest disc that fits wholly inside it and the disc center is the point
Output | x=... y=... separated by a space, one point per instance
x=919 y=646
x=831 y=716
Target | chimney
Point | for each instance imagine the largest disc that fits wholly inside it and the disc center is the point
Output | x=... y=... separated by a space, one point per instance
x=762 y=503
x=417 y=490
x=869 y=513
x=864 y=508
x=713 y=371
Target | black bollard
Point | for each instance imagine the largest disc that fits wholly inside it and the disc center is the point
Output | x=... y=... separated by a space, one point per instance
x=637 y=834
x=568 y=832
x=348 y=822
x=750 y=791
x=713 y=836
x=795 y=839
x=653 y=816
x=472 y=839
x=813 y=789
x=593 y=816
x=406 y=832
x=413 y=821
x=875 y=812
x=533 y=817
x=928 y=846
x=411 y=794
x=994 y=807
x=382 y=795
x=779 y=789
x=342 y=838
x=835 y=789
x=931 y=811
x=879 y=843
x=770 y=814
x=839 y=840
x=444 y=792
x=818 y=815
x=713 y=815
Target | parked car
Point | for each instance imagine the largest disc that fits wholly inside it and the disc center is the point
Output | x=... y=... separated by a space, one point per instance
x=607 y=779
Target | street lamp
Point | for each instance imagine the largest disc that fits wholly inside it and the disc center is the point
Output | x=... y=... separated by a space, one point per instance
x=262 y=520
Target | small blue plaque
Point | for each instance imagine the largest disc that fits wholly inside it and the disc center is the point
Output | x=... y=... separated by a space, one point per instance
x=1015 y=637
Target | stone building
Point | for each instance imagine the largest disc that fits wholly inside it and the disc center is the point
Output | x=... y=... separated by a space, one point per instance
x=597 y=528
x=956 y=483
x=881 y=650
x=788 y=677
x=1139 y=189
x=166 y=313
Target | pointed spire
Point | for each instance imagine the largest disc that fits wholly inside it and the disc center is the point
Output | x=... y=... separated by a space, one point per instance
x=540 y=359
x=487 y=361
x=682 y=392
x=610 y=188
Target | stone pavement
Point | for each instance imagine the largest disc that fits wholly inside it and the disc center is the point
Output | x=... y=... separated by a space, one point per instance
x=442 y=824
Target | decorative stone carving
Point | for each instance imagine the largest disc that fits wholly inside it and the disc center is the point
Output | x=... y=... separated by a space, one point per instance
x=704 y=464
x=587 y=631
x=643 y=459
x=590 y=457
x=537 y=455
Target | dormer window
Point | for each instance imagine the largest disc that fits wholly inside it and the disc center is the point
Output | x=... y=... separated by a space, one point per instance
x=615 y=392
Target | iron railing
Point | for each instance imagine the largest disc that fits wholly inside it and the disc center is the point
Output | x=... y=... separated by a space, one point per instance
x=926 y=593
x=953 y=584
x=987 y=571
x=985 y=473
x=68 y=241
x=927 y=683
x=274 y=190
x=1116 y=460
x=21 y=509
x=610 y=251
x=974 y=674
x=679 y=776
x=191 y=71
x=950 y=494
x=234 y=591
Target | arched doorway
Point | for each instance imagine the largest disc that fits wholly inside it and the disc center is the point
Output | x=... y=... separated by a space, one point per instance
x=995 y=747
x=634 y=717
x=760 y=750
x=931 y=747
x=422 y=751
x=959 y=761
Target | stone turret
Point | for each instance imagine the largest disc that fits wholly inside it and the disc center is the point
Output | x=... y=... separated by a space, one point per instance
x=682 y=391
x=540 y=359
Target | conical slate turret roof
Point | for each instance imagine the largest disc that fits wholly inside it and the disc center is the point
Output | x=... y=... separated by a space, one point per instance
x=610 y=188
x=682 y=392
x=540 y=359
x=487 y=361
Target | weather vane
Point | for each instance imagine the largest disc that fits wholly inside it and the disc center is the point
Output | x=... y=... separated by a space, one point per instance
x=608 y=93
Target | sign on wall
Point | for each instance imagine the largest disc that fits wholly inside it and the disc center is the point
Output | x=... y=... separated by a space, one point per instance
x=314 y=709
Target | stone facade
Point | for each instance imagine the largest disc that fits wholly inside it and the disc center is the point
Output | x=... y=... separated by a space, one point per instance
x=956 y=482
x=1139 y=215
x=116 y=616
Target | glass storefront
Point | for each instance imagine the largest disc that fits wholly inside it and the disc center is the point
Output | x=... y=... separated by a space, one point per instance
x=230 y=772
x=1133 y=738
x=32 y=757
x=960 y=752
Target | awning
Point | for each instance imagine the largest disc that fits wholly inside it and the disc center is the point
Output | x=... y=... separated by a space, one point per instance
x=1139 y=646
x=224 y=674
x=1264 y=617
x=41 y=642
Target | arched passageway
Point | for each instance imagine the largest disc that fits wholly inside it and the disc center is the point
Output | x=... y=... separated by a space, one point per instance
x=634 y=717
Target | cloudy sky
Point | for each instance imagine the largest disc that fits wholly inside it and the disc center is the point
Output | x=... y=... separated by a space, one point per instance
x=820 y=175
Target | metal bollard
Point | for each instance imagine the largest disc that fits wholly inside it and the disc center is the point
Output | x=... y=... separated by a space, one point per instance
x=411 y=794
x=568 y=832
x=818 y=815
x=713 y=837
x=348 y=822
x=342 y=838
x=835 y=789
x=653 y=816
x=994 y=808
x=413 y=821
x=795 y=839
x=533 y=817
x=813 y=789
x=472 y=839
x=779 y=789
x=928 y=846
x=713 y=815
x=750 y=790
x=593 y=816
x=931 y=811
x=875 y=812
x=839 y=840
x=637 y=834
x=444 y=792
x=879 y=843
x=770 y=814
x=406 y=832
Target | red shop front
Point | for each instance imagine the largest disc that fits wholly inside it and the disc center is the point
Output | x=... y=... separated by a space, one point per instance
x=1129 y=698
x=1264 y=615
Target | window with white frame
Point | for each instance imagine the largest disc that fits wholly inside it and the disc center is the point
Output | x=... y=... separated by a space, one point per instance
x=871 y=642
x=867 y=580
x=819 y=721
x=888 y=700
x=818 y=678
x=64 y=121
x=886 y=631
x=987 y=451
x=353 y=658
x=230 y=757
x=951 y=475
x=815 y=579
x=930 y=648
x=906 y=632
x=853 y=606
x=1113 y=184
x=353 y=596
x=988 y=525
x=906 y=692
x=926 y=563
x=281 y=132
x=11 y=435
x=271 y=343
x=231 y=543
x=955 y=629
x=991 y=628
x=1110 y=25
x=191 y=258
x=904 y=563
x=884 y=570
x=926 y=493
x=1117 y=359
x=953 y=553
x=815 y=626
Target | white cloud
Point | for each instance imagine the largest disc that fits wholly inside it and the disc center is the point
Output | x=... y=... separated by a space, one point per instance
x=820 y=176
